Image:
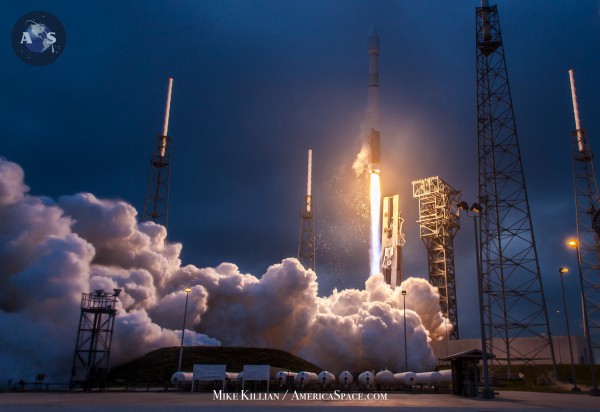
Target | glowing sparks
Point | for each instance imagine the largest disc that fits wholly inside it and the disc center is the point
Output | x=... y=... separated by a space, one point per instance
x=375 y=250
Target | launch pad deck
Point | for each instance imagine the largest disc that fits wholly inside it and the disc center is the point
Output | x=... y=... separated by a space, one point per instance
x=185 y=401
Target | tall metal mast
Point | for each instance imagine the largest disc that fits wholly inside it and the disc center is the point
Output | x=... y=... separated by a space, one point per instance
x=515 y=305
x=587 y=204
x=156 y=206
x=306 y=246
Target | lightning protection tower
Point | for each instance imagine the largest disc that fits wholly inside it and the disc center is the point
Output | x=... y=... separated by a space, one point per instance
x=94 y=337
x=306 y=246
x=439 y=222
x=588 y=224
x=514 y=303
x=156 y=206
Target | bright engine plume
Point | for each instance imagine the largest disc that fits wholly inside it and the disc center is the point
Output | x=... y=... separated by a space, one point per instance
x=375 y=251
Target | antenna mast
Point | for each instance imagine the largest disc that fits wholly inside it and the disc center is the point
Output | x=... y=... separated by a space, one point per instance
x=156 y=206
x=587 y=211
x=514 y=302
x=306 y=247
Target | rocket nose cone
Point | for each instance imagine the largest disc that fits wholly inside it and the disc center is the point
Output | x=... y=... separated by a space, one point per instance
x=373 y=40
x=373 y=30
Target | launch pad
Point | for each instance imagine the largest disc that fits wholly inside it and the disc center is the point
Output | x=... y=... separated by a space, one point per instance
x=180 y=401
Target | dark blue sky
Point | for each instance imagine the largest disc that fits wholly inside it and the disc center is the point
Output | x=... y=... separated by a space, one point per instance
x=259 y=82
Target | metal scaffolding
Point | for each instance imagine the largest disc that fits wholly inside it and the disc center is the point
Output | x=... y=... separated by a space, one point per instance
x=94 y=337
x=514 y=302
x=156 y=206
x=439 y=221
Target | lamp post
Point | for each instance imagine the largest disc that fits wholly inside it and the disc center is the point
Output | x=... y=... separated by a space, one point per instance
x=562 y=271
x=476 y=208
x=586 y=327
x=187 y=295
x=405 y=352
x=557 y=313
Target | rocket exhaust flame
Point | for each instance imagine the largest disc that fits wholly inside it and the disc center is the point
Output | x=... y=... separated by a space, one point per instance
x=375 y=252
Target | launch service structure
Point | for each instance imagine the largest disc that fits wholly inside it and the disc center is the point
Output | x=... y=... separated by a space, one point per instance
x=438 y=223
x=307 y=243
x=156 y=205
x=392 y=241
x=514 y=302
x=587 y=211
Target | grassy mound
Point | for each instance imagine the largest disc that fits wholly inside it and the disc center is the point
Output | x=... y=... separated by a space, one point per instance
x=158 y=366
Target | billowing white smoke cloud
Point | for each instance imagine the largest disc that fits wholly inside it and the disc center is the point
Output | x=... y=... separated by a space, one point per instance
x=361 y=161
x=366 y=328
x=52 y=252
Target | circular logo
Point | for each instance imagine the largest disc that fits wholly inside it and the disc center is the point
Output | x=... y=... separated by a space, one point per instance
x=38 y=38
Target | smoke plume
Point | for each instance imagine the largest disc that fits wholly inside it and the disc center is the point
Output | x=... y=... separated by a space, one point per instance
x=52 y=251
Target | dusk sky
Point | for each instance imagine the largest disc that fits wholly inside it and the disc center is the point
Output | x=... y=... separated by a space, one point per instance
x=257 y=83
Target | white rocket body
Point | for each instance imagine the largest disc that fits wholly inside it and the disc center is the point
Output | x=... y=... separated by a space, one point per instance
x=373 y=115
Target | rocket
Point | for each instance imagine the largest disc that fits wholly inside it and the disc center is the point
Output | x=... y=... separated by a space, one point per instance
x=373 y=103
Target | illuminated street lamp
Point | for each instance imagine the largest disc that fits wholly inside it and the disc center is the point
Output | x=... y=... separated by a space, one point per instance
x=476 y=208
x=187 y=295
x=586 y=327
x=562 y=271
x=405 y=352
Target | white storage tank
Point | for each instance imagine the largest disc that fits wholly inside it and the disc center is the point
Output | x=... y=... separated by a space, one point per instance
x=326 y=378
x=182 y=377
x=281 y=377
x=385 y=379
x=405 y=378
x=429 y=378
x=445 y=376
x=345 y=378
x=305 y=378
x=366 y=379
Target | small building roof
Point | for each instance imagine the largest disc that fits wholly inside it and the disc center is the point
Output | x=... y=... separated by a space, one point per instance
x=469 y=354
